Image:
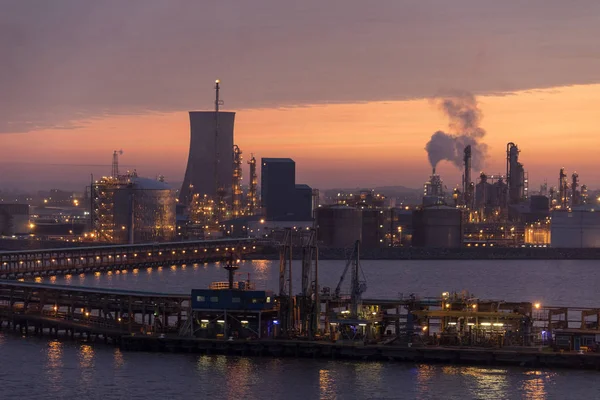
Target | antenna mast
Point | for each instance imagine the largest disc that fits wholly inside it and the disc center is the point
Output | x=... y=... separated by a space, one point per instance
x=115 y=163
x=217 y=155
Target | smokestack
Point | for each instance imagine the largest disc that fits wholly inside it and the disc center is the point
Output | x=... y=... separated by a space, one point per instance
x=433 y=173
x=468 y=196
x=464 y=116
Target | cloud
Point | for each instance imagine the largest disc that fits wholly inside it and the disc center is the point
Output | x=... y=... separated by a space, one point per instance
x=67 y=61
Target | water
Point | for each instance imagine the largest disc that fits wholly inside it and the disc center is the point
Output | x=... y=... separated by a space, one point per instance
x=550 y=282
x=36 y=368
x=41 y=368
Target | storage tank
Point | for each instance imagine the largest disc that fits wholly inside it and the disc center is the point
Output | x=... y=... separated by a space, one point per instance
x=134 y=210
x=439 y=226
x=579 y=228
x=374 y=227
x=339 y=226
x=14 y=219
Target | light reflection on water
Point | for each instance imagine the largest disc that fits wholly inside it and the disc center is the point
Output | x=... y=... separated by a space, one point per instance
x=86 y=363
x=487 y=383
x=534 y=384
x=69 y=369
x=80 y=370
x=327 y=387
x=54 y=366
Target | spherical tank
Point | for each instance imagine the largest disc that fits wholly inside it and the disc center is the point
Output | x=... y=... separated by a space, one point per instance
x=339 y=226
x=439 y=227
x=579 y=228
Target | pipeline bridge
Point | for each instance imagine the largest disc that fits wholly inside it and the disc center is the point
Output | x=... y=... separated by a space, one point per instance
x=27 y=263
x=83 y=311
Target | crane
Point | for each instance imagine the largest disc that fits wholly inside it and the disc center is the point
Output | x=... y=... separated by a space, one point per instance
x=357 y=286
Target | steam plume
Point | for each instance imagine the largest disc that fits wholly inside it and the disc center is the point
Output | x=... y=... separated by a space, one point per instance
x=463 y=129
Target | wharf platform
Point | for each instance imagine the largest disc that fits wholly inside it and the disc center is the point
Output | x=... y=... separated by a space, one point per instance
x=522 y=357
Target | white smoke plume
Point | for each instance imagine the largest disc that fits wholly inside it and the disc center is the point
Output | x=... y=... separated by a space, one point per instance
x=463 y=129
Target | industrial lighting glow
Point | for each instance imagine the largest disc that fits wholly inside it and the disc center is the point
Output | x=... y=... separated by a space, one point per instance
x=362 y=324
x=486 y=324
x=537 y=306
x=424 y=328
x=452 y=323
x=470 y=323
x=244 y=322
x=474 y=305
x=498 y=324
x=221 y=321
x=204 y=321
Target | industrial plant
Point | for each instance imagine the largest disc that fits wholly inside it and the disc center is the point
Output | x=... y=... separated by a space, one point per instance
x=215 y=200
x=212 y=188
x=126 y=208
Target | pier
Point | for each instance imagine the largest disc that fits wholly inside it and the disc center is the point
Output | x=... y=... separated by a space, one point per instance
x=161 y=322
x=521 y=357
x=72 y=310
x=18 y=264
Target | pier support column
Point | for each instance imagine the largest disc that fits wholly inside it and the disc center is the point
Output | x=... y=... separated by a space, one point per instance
x=225 y=335
x=259 y=327
x=397 y=327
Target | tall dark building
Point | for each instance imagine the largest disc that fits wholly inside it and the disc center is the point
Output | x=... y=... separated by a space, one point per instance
x=200 y=172
x=303 y=200
x=280 y=196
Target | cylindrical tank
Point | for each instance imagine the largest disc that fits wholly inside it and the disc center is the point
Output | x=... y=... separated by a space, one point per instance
x=579 y=228
x=339 y=226
x=439 y=227
x=144 y=211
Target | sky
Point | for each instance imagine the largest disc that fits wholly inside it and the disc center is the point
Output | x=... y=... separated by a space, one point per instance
x=344 y=87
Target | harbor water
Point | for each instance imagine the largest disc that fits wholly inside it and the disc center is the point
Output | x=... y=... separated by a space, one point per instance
x=34 y=367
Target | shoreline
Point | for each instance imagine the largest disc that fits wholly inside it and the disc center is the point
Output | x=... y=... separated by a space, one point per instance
x=467 y=253
x=525 y=357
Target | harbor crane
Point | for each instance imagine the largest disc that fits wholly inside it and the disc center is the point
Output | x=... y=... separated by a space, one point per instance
x=357 y=286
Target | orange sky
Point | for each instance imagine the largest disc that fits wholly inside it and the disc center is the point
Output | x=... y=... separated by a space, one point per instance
x=348 y=145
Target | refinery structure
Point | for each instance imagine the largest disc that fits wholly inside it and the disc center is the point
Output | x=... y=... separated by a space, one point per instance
x=486 y=208
x=126 y=208
x=212 y=191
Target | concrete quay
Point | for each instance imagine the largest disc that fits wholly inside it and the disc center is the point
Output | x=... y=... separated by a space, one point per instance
x=525 y=357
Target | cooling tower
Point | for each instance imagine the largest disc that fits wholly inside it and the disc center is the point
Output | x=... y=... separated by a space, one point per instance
x=200 y=172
